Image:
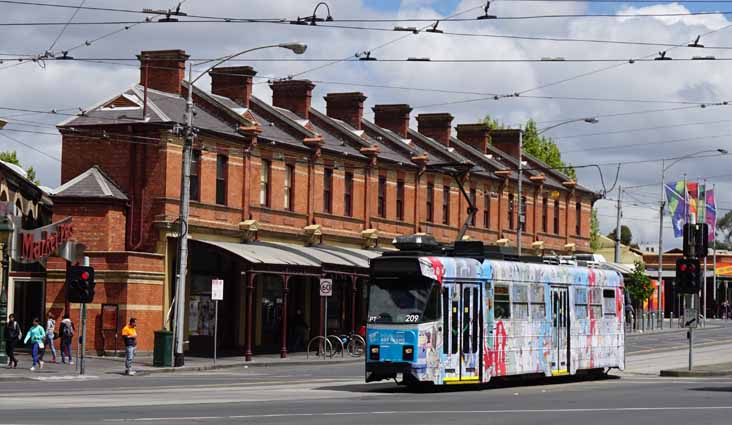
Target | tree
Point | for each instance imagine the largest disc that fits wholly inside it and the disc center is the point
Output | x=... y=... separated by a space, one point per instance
x=638 y=285
x=12 y=158
x=626 y=236
x=542 y=147
x=595 y=231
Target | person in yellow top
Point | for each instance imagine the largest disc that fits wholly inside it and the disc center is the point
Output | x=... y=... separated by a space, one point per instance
x=129 y=335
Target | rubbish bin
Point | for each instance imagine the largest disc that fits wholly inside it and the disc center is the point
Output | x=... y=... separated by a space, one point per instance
x=163 y=350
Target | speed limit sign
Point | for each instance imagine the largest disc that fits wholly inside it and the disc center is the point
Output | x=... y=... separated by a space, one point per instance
x=326 y=287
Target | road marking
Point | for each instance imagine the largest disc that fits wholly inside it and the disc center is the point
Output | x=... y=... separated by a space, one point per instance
x=426 y=412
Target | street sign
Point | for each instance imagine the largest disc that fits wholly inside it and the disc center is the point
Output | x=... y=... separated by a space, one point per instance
x=326 y=287
x=217 y=290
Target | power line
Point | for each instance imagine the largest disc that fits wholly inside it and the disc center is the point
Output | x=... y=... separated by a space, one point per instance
x=58 y=37
x=631 y=130
x=29 y=146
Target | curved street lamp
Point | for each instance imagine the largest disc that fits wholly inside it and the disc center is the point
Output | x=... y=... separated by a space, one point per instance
x=185 y=198
x=519 y=232
x=664 y=168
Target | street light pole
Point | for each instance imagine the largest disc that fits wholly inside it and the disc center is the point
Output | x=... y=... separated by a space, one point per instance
x=521 y=217
x=185 y=197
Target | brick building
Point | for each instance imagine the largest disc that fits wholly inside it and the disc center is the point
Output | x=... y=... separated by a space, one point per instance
x=282 y=194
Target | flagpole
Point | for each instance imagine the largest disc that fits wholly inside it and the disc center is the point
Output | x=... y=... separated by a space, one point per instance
x=702 y=201
x=714 y=240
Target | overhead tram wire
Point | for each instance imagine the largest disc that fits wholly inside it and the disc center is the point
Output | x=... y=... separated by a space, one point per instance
x=632 y=130
x=63 y=30
x=659 y=142
x=31 y=147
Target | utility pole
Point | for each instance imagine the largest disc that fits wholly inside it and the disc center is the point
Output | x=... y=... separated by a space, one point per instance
x=185 y=201
x=519 y=233
x=617 y=225
x=660 y=243
x=185 y=194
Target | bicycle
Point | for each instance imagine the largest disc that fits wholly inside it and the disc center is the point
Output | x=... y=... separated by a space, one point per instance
x=354 y=343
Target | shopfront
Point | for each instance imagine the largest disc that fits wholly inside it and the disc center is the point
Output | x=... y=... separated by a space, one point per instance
x=272 y=302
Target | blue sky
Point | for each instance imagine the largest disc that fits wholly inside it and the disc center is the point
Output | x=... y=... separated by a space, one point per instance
x=444 y=7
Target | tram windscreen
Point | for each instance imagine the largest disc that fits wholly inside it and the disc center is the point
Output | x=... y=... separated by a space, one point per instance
x=403 y=300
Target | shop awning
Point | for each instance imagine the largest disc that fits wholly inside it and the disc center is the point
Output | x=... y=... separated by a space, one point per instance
x=317 y=256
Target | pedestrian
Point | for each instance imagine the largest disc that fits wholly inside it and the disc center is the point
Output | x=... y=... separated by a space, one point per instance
x=50 y=335
x=13 y=334
x=36 y=334
x=67 y=334
x=129 y=335
x=299 y=331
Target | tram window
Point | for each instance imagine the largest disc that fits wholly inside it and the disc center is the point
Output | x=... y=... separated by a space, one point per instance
x=580 y=303
x=445 y=316
x=476 y=318
x=608 y=302
x=432 y=309
x=502 y=302
x=596 y=302
x=538 y=303
x=520 y=298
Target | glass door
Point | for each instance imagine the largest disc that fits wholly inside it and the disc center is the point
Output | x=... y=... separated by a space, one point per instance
x=560 y=331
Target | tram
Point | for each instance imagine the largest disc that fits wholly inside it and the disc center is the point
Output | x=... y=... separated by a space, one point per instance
x=461 y=314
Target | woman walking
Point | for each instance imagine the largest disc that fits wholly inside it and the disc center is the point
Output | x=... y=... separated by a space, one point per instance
x=12 y=336
x=36 y=335
x=67 y=334
x=50 y=334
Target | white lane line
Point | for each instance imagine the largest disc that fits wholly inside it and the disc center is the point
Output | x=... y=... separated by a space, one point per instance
x=429 y=412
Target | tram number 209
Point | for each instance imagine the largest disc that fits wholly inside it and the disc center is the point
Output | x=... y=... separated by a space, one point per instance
x=411 y=318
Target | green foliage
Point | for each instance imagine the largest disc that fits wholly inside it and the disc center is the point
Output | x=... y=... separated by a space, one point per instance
x=594 y=231
x=542 y=147
x=638 y=285
x=626 y=236
x=724 y=229
x=12 y=157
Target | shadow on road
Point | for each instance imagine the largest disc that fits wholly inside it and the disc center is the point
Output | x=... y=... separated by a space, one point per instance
x=496 y=383
x=713 y=389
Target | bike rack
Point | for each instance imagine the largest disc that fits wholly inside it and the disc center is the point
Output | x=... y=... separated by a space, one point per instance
x=337 y=338
x=326 y=343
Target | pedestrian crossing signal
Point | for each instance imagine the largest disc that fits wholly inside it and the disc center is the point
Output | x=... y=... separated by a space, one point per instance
x=80 y=284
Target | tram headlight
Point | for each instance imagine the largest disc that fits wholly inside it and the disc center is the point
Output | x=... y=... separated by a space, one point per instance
x=374 y=352
x=408 y=352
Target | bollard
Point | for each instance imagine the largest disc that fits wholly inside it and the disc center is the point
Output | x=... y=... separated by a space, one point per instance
x=671 y=318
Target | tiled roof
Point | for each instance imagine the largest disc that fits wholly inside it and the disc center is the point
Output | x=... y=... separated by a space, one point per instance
x=92 y=183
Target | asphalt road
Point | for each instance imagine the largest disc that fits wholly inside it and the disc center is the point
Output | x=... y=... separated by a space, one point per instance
x=336 y=394
x=676 y=339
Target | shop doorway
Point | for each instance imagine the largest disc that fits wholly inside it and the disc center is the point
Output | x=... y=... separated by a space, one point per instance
x=28 y=299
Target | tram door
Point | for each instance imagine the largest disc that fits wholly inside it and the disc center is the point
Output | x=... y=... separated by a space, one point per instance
x=560 y=331
x=464 y=317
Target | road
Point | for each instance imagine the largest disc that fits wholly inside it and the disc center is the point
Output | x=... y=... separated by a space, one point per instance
x=337 y=395
x=664 y=341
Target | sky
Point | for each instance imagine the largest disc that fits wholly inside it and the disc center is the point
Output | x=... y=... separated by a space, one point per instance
x=646 y=111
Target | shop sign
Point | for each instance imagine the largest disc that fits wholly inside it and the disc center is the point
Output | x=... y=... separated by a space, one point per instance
x=32 y=246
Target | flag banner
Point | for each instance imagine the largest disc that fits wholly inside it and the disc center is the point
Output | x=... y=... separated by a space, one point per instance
x=711 y=216
x=676 y=201
x=692 y=192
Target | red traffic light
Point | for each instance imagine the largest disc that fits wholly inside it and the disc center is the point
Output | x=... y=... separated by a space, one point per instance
x=85 y=275
x=682 y=267
x=691 y=268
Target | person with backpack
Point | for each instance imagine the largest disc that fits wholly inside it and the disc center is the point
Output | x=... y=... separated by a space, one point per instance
x=36 y=335
x=13 y=334
x=67 y=335
x=50 y=335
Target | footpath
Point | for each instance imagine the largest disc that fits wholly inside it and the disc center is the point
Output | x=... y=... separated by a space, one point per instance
x=97 y=367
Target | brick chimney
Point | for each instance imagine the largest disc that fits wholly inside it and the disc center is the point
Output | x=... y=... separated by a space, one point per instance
x=476 y=135
x=234 y=82
x=437 y=126
x=506 y=140
x=293 y=95
x=346 y=107
x=163 y=70
x=393 y=117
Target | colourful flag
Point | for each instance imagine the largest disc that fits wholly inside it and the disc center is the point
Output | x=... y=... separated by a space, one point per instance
x=676 y=200
x=711 y=216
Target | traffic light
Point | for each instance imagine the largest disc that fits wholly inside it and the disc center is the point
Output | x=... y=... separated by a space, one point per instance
x=696 y=240
x=688 y=275
x=80 y=284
